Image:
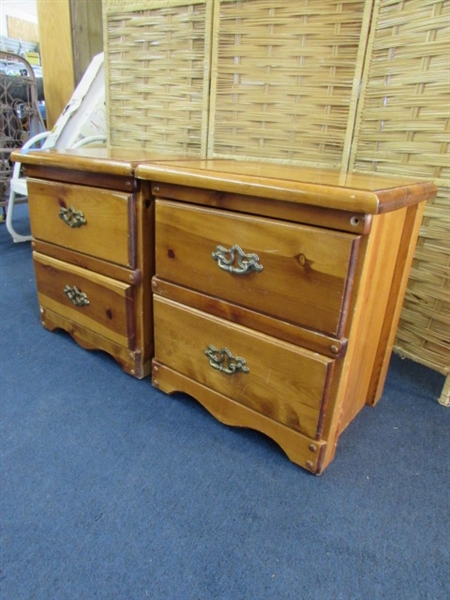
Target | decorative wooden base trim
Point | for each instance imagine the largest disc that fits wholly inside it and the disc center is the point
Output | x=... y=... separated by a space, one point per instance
x=130 y=361
x=301 y=450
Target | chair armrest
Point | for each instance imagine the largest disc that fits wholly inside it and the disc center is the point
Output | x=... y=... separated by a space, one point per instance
x=89 y=140
x=34 y=140
x=27 y=146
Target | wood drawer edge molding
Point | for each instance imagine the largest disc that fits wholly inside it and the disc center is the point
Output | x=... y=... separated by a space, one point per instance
x=312 y=340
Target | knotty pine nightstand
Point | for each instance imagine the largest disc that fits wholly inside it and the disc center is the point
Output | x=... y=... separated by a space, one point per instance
x=92 y=223
x=277 y=293
x=269 y=293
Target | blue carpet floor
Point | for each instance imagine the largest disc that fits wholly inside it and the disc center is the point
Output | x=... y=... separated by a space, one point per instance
x=111 y=490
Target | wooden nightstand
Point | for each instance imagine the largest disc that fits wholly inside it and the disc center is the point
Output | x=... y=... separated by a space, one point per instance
x=271 y=294
x=277 y=293
x=92 y=227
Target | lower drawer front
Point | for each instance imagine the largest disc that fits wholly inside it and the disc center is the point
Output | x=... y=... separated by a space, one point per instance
x=89 y=299
x=278 y=379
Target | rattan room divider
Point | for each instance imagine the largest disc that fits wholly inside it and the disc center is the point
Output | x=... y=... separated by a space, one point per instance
x=157 y=60
x=285 y=79
x=359 y=84
x=403 y=127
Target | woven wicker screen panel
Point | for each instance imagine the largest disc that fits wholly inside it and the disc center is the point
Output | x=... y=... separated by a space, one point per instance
x=424 y=331
x=403 y=128
x=285 y=79
x=157 y=60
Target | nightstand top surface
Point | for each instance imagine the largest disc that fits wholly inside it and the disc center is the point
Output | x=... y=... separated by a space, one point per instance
x=370 y=193
x=114 y=161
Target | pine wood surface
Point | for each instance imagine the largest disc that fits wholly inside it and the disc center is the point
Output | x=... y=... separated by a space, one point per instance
x=410 y=233
x=91 y=159
x=352 y=191
x=305 y=270
x=131 y=361
x=70 y=35
x=145 y=263
x=56 y=56
x=298 y=447
x=300 y=336
x=111 y=256
x=284 y=382
x=106 y=181
x=302 y=386
x=372 y=298
x=110 y=308
x=88 y=262
x=110 y=220
x=87 y=33
x=318 y=187
x=352 y=222
x=374 y=290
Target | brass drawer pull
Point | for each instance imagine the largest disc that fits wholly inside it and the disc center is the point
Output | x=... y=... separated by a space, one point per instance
x=73 y=218
x=224 y=361
x=75 y=296
x=246 y=262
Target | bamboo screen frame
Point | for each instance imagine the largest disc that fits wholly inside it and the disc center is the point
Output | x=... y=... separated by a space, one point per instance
x=157 y=68
x=360 y=84
x=403 y=128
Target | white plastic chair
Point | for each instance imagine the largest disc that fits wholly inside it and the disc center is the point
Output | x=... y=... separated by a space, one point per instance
x=18 y=184
x=82 y=122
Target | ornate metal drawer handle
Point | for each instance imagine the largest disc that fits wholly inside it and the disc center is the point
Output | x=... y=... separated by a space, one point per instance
x=224 y=361
x=246 y=262
x=75 y=296
x=72 y=218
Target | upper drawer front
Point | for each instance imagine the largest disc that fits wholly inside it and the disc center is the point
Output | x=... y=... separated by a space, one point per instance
x=90 y=220
x=305 y=275
x=278 y=379
x=93 y=301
